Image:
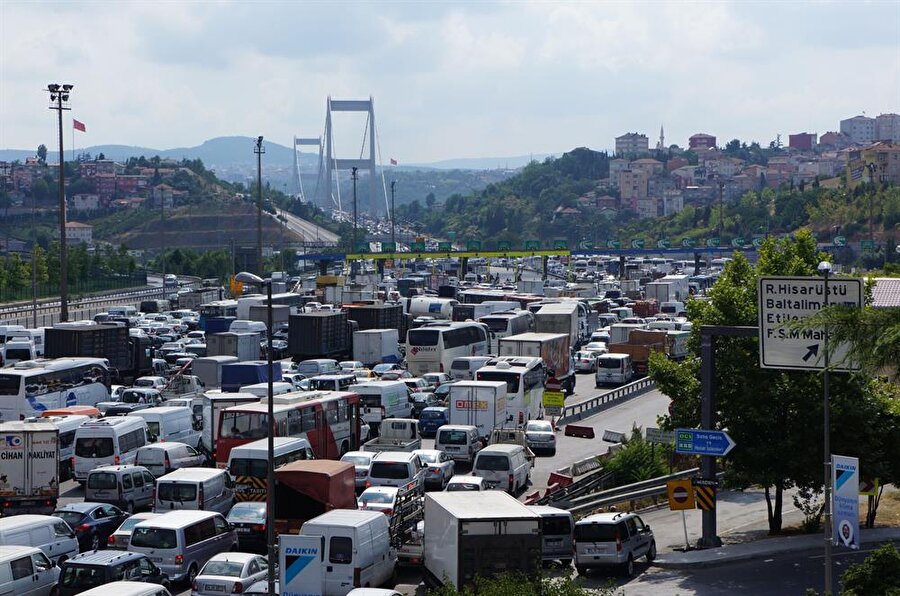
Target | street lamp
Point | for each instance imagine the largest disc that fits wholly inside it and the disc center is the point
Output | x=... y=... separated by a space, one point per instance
x=825 y=269
x=258 y=149
x=249 y=278
x=59 y=101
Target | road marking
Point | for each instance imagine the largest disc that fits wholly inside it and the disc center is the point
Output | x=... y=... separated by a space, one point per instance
x=783 y=513
x=843 y=554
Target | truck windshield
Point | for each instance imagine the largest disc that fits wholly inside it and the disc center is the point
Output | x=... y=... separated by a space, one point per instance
x=171 y=491
x=10 y=384
x=94 y=447
x=423 y=337
x=452 y=437
x=492 y=463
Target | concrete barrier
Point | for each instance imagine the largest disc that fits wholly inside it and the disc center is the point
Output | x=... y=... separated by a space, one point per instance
x=584 y=432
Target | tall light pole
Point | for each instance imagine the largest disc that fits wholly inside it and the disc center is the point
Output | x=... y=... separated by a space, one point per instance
x=59 y=101
x=825 y=269
x=393 y=221
x=259 y=150
x=354 y=175
x=249 y=278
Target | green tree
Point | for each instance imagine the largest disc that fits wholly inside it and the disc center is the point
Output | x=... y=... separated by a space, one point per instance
x=770 y=412
x=42 y=153
x=5 y=201
x=42 y=275
x=637 y=460
x=40 y=191
x=877 y=575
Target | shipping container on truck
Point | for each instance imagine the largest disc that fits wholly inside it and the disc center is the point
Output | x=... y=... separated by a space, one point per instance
x=244 y=345
x=281 y=314
x=552 y=348
x=308 y=488
x=322 y=334
x=209 y=369
x=90 y=341
x=478 y=534
x=29 y=467
x=478 y=403
x=374 y=346
x=239 y=374
x=376 y=316
x=559 y=317
x=641 y=343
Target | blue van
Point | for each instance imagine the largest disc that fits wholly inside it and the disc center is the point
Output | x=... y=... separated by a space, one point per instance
x=432 y=418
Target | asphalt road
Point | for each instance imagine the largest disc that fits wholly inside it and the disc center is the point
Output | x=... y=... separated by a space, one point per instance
x=307 y=230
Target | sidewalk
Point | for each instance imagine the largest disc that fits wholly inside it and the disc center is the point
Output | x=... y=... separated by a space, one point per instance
x=759 y=549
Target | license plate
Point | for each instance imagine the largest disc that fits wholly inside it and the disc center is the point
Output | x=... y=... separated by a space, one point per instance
x=556 y=542
x=214 y=588
x=449 y=448
x=242 y=530
x=596 y=551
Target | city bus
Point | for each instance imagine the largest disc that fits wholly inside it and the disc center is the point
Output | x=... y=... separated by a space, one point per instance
x=433 y=347
x=329 y=420
x=504 y=324
x=525 y=378
x=33 y=386
x=217 y=309
x=248 y=464
x=283 y=299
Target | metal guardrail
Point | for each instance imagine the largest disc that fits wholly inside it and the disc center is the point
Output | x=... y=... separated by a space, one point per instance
x=575 y=412
x=638 y=490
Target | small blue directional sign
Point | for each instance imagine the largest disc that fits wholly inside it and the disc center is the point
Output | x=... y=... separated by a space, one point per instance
x=692 y=441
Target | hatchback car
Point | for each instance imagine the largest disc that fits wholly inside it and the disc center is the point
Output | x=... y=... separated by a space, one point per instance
x=465 y=483
x=362 y=461
x=421 y=400
x=440 y=467
x=249 y=522
x=379 y=498
x=436 y=379
x=380 y=369
x=96 y=568
x=92 y=522
x=612 y=540
x=540 y=437
x=122 y=536
x=586 y=361
x=229 y=573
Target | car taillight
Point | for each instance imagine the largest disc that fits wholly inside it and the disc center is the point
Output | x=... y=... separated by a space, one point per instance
x=83 y=528
x=237 y=588
x=356 y=576
x=618 y=542
x=382 y=411
x=389 y=512
x=72 y=463
x=368 y=484
x=116 y=460
x=259 y=527
x=194 y=585
x=511 y=479
x=168 y=463
x=201 y=497
x=435 y=470
x=521 y=417
x=442 y=367
x=111 y=540
x=179 y=559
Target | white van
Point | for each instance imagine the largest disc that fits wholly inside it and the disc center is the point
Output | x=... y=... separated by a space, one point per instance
x=248 y=464
x=397 y=468
x=128 y=487
x=261 y=390
x=206 y=489
x=358 y=549
x=122 y=311
x=459 y=441
x=26 y=571
x=463 y=368
x=52 y=535
x=162 y=458
x=340 y=382
x=614 y=369
x=382 y=399
x=128 y=588
x=244 y=326
x=503 y=466
x=108 y=441
x=170 y=423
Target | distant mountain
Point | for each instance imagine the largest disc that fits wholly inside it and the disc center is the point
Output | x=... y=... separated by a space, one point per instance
x=229 y=152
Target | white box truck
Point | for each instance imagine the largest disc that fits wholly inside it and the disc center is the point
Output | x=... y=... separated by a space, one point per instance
x=244 y=345
x=478 y=534
x=559 y=317
x=552 y=348
x=209 y=369
x=29 y=467
x=374 y=346
x=478 y=403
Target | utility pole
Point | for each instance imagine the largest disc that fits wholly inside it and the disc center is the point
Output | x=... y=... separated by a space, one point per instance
x=162 y=221
x=59 y=101
x=259 y=150
x=393 y=222
x=355 y=176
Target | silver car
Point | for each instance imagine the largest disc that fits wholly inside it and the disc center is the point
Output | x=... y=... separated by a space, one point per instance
x=440 y=467
x=612 y=540
x=362 y=461
x=586 y=361
x=540 y=437
x=229 y=573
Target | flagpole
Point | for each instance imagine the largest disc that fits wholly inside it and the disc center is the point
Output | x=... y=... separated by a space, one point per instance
x=73 y=139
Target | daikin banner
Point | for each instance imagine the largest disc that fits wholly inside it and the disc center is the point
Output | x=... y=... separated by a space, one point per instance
x=300 y=565
x=845 y=500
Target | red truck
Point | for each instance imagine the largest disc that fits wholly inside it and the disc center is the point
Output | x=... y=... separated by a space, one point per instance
x=307 y=488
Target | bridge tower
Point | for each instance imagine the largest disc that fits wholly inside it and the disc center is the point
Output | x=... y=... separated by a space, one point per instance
x=333 y=164
x=298 y=181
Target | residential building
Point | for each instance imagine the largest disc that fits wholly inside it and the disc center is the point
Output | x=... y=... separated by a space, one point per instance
x=79 y=233
x=163 y=194
x=836 y=140
x=649 y=165
x=802 y=141
x=632 y=143
x=647 y=208
x=675 y=163
x=633 y=188
x=887 y=128
x=860 y=129
x=701 y=141
x=616 y=166
x=84 y=202
x=882 y=163
x=673 y=202
x=699 y=195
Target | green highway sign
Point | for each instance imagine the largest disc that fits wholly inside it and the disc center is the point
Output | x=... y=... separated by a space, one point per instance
x=388 y=247
x=637 y=243
x=417 y=247
x=560 y=245
x=361 y=246
x=613 y=244
x=473 y=245
x=840 y=241
x=532 y=245
x=586 y=245
x=688 y=243
x=713 y=242
x=737 y=242
x=663 y=244
x=868 y=245
x=445 y=246
x=504 y=245
x=758 y=241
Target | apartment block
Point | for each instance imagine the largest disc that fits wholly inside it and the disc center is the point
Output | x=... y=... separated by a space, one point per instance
x=887 y=128
x=860 y=129
x=701 y=141
x=632 y=143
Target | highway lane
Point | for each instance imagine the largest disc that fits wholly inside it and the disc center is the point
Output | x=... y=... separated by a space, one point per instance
x=308 y=230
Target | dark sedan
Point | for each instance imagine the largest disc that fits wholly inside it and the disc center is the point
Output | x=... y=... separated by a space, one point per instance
x=92 y=522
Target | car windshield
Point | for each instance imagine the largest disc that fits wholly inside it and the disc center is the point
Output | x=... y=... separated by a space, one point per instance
x=94 y=447
x=380 y=368
x=376 y=497
x=452 y=437
x=595 y=533
x=130 y=523
x=227 y=568
x=154 y=538
x=539 y=427
x=429 y=458
x=583 y=356
x=73 y=518
x=357 y=460
x=492 y=462
x=102 y=480
x=389 y=470
x=250 y=512
x=455 y=486
x=612 y=363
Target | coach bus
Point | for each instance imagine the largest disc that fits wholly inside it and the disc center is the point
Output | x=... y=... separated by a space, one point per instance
x=33 y=386
x=433 y=347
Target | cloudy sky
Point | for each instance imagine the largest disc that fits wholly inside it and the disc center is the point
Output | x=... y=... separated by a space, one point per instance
x=450 y=79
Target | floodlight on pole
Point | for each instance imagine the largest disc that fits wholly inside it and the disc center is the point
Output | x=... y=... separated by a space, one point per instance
x=59 y=101
x=825 y=269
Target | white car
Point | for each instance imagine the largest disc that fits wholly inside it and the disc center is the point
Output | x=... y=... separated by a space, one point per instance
x=586 y=361
x=150 y=382
x=595 y=346
x=362 y=461
x=379 y=498
x=440 y=467
x=229 y=573
x=465 y=483
x=540 y=437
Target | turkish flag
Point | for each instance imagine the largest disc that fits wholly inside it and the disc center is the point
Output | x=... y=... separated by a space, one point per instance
x=78 y=125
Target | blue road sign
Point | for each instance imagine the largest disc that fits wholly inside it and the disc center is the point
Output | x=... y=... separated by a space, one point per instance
x=692 y=441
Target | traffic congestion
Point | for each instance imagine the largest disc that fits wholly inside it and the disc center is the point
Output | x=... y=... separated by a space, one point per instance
x=406 y=409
